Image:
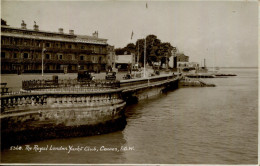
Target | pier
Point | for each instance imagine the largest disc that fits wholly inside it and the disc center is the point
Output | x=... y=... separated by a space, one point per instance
x=142 y=88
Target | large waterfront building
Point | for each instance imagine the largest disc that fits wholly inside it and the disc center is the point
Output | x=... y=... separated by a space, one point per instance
x=22 y=50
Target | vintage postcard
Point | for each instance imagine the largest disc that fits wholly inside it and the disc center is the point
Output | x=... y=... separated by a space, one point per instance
x=129 y=82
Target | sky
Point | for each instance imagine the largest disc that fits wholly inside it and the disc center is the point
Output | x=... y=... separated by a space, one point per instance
x=225 y=33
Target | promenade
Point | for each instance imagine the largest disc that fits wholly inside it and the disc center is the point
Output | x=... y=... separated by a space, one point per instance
x=14 y=81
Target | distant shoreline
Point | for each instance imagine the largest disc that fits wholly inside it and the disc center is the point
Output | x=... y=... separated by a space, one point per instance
x=236 y=67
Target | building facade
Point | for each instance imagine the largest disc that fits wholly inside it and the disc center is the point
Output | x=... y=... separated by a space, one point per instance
x=182 y=58
x=182 y=61
x=111 y=57
x=24 y=49
x=125 y=62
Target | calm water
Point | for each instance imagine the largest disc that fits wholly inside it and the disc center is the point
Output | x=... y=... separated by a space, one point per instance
x=211 y=125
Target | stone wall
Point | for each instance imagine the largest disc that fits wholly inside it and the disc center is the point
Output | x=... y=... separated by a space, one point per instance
x=25 y=118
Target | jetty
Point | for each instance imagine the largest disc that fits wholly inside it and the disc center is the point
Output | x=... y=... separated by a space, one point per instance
x=194 y=82
x=200 y=75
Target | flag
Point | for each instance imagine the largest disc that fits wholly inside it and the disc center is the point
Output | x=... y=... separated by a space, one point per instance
x=132 y=35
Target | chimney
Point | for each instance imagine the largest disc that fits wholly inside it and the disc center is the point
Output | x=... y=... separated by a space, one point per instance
x=95 y=34
x=23 y=25
x=71 y=32
x=36 y=27
x=61 y=30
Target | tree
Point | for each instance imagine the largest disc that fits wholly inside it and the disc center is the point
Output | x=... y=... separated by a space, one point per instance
x=156 y=51
x=119 y=51
x=3 y=22
x=130 y=48
x=166 y=49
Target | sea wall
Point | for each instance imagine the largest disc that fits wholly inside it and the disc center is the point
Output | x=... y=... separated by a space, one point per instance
x=150 y=90
x=42 y=116
x=75 y=110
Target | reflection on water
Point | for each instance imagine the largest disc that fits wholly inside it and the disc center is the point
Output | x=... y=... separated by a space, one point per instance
x=210 y=125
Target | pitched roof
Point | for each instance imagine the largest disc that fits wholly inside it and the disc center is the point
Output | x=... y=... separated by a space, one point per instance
x=56 y=36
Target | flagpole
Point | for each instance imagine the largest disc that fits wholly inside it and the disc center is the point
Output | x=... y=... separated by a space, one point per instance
x=138 y=53
x=144 y=56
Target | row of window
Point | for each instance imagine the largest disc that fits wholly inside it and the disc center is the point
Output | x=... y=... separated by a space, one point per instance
x=12 y=41
x=59 y=57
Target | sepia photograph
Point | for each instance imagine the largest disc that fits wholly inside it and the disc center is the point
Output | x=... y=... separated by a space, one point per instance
x=129 y=82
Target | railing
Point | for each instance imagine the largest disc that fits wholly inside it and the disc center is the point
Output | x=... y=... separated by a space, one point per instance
x=29 y=101
x=135 y=82
x=69 y=84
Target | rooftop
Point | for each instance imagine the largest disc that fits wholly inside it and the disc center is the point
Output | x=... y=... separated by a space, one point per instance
x=52 y=36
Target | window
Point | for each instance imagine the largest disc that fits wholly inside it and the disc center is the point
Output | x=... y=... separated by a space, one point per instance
x=2 y=54
x=37 y=44
x=81 y=58
x=25 y=55
x=47 y=56
x=47 y=44
x=81 y=67
x=69 y=46
x=58 y=67
x=72 y=57
x=15 y=55
x=60 y=56
x=26 y=67
x=82 y=47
